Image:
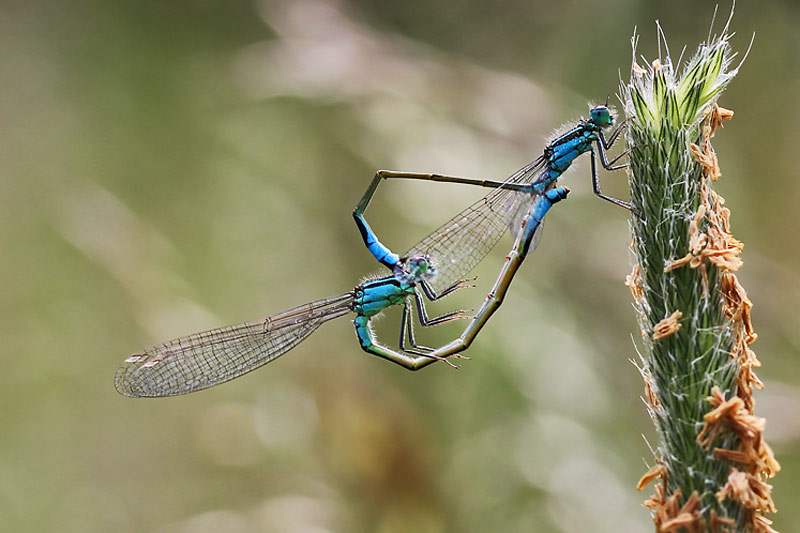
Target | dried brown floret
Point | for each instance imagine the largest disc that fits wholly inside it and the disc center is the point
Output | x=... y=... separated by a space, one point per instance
x=717 y=115
x=655 y=471
x=652 y=399
x=667 y=326
x=705 y=153
x=668 y=510
x=761 y=524
x=681 y=522
x=738 y=308
x=724 y=248
x=737 y=304
x=767 y=456
x=748 y=490
x=634 y=282
x=746 y=379
x=734 y=456
x=732 y=415
x=718 y=524
x=707 y=157
x=656 y=501
x=697 y=243
x=669 y=518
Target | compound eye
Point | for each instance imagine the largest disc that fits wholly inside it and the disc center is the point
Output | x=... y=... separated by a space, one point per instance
x=601 y=115
x=421 y=265
x=419 y=260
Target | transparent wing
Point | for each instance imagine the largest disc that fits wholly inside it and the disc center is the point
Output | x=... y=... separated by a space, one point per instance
x=537 y=236
x=206 y=359
x=463 y=241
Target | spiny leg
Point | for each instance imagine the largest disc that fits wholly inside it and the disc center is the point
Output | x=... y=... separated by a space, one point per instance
x=422 y=313
x=613 y=138
x=447 y=317
x=431 y=294
x=609 y=165
x=407 y=327
x=596 y=184
x=370 y=344
x=407 y=332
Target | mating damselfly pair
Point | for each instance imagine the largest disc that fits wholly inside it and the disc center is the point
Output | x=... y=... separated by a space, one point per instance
x=431 y=269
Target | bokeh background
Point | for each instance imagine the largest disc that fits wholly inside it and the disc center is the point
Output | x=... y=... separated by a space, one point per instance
x=167 y=167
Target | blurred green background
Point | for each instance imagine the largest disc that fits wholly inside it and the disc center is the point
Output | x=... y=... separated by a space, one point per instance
x=167 y=167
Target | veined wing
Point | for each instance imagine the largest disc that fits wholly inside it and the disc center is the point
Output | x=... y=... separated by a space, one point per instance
x=463 y=241
x=206 y=359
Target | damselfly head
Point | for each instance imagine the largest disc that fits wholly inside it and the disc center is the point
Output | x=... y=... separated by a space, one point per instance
x=418 y=267
x=601 y=115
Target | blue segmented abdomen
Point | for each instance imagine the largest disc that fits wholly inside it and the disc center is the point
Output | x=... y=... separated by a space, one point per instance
x=379 y=250
x=362 y=331
x=373 y=297
x=539 y=210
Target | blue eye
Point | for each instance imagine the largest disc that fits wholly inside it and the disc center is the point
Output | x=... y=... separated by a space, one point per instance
x=601 y=116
